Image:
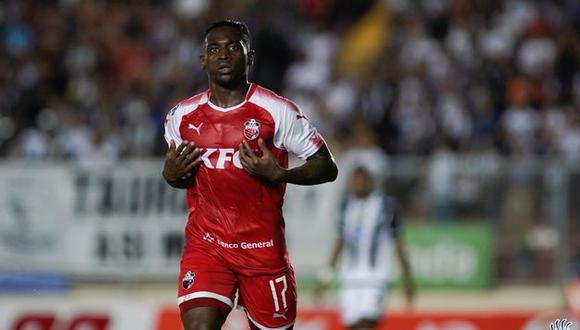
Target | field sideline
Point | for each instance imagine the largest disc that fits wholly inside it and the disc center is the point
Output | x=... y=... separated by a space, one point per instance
x=524 y=297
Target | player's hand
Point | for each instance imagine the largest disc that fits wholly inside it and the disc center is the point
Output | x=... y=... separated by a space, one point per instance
x=318 y=292
x=181 y=162
x=264 y=167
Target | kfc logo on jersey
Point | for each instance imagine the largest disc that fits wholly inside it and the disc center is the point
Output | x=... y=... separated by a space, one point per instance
x=188 y=280
x=251 y=129
x=224 y=155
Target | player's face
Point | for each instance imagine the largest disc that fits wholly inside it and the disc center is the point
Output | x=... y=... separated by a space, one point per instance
x=226 y=57
x=361 y=184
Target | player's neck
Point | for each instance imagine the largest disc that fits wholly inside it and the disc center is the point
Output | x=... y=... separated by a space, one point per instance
x=226 y=97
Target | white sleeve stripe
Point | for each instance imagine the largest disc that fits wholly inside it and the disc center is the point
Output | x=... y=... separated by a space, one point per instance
x=205 y=294
x=292 y=133
x=172 y=130
x=274 y=107
x=176 y=114
x=311 y=151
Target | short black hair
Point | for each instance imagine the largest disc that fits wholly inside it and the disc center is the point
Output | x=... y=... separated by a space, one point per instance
x=240 y=26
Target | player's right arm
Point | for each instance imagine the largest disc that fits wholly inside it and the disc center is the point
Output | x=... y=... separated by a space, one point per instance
x=295 y=134
x=181 y=164
x=182 y=158
x=326 y=275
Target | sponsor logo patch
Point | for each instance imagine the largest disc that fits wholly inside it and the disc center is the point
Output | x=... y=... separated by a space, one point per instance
x=279 y=316
x=195 y=128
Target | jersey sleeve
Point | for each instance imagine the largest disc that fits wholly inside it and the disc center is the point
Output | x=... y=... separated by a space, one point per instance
x=172 y=123
x=296 y=134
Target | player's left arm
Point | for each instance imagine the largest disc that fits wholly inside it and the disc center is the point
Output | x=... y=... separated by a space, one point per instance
x=182 y=158
x=318 y=168
x=408 y=284
x=295 y=134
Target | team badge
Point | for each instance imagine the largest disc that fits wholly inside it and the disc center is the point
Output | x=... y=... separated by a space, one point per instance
x=251 y=129
x=188 y=280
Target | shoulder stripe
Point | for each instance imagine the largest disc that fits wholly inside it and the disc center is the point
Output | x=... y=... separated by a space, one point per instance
x=275 y=105
x=269 y=100
x=188 y=105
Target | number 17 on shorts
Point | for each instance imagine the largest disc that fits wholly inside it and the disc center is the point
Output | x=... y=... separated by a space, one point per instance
x=270 y=300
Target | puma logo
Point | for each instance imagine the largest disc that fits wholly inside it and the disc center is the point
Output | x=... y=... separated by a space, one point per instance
x=279 y=316
x=193 y=127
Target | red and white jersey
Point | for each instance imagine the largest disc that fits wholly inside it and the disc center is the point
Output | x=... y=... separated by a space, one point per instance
x=232 y=212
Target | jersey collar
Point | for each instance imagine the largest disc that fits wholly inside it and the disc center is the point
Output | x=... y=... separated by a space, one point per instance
x=249 y=93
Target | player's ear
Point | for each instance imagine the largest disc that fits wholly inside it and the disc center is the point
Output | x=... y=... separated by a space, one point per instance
x=202 y=60
x=251 y=54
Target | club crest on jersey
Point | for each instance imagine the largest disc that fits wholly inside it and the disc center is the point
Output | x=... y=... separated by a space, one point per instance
x=188 y=280
x=251 y=129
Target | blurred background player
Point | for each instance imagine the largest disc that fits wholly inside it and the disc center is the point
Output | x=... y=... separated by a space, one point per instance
x=368 y=232
x=229 y=146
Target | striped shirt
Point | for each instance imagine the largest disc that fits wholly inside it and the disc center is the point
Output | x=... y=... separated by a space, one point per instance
x=368 y=226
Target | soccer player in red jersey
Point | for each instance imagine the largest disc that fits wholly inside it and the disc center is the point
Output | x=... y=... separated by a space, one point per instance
x=228 y=146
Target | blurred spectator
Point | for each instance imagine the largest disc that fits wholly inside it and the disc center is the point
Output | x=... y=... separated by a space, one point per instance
x=441 y=180
x=273 y=55
x=363 y=152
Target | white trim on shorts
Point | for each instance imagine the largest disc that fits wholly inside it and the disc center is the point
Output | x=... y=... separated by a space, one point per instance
x=259 y=326
x=205 y=294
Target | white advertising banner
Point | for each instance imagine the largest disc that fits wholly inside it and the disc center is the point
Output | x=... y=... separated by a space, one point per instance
x=36 y=206
x=124 y=221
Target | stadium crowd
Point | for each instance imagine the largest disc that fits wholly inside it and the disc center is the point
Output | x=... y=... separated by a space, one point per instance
x=92 y=80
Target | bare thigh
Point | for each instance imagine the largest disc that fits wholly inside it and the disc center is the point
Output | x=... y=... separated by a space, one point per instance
x=204 y=318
